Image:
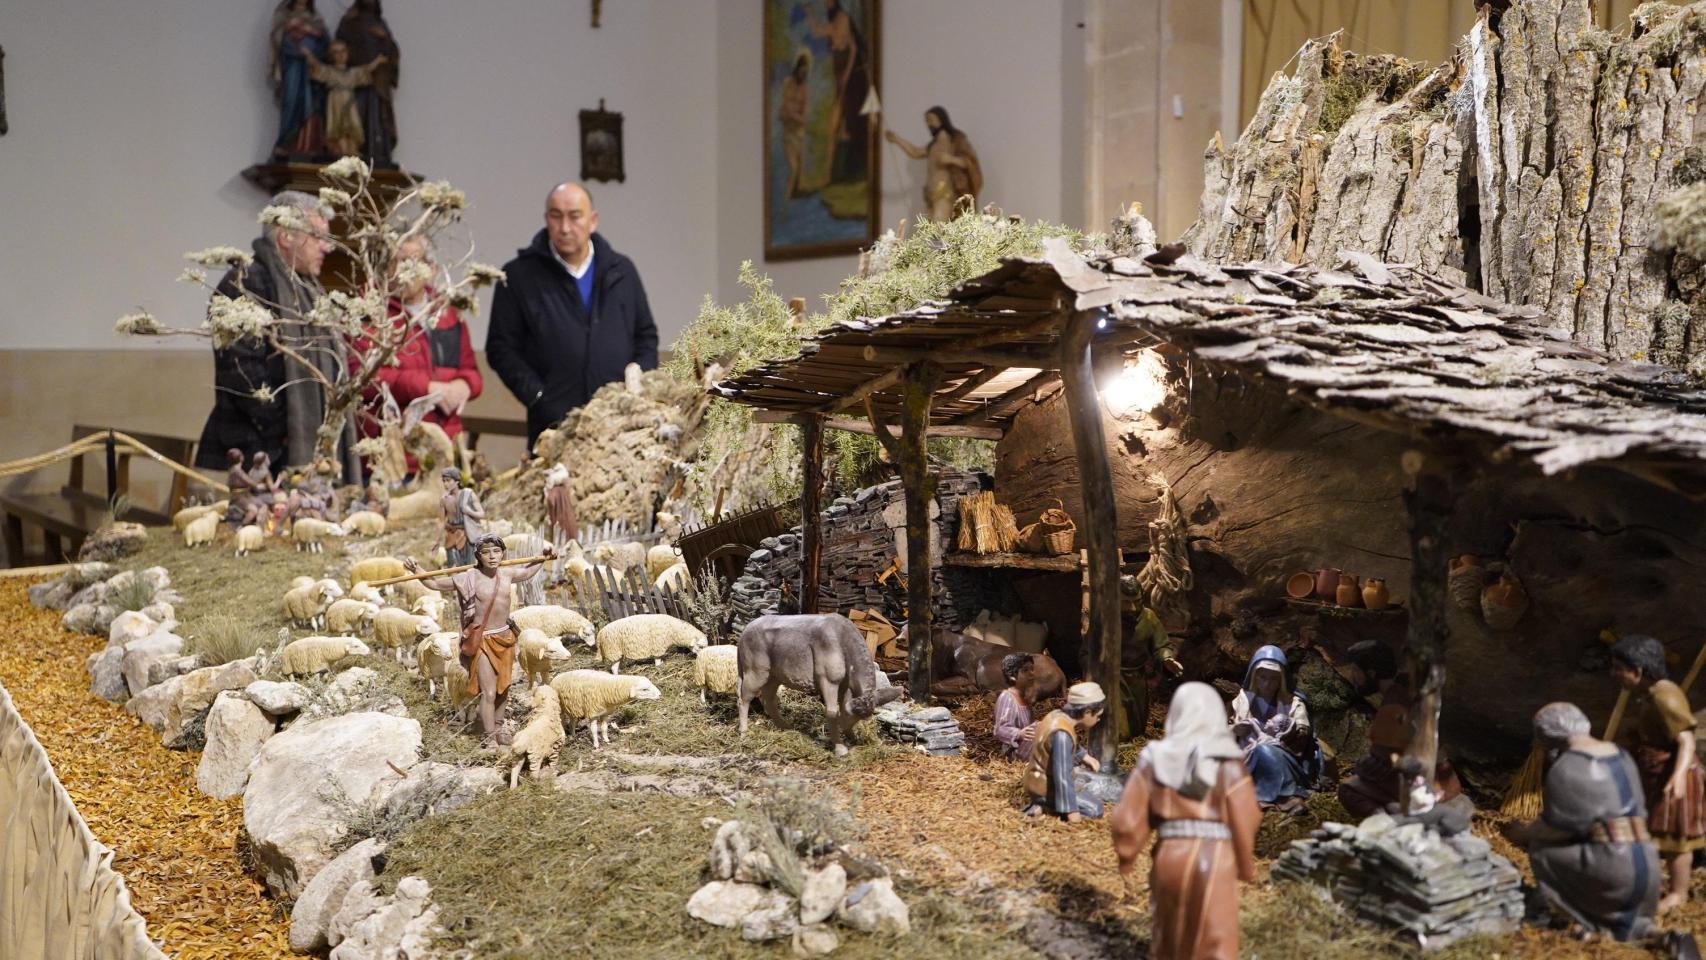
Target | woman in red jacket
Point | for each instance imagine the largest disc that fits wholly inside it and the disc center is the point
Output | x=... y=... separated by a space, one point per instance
x=436 y=358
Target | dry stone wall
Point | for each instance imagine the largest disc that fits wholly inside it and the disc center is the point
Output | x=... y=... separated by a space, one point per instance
x=863 y=534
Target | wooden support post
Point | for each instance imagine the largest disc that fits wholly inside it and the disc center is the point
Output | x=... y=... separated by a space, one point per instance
x=1101 y=661
x=811 y=513
x=918 y=390
x=1428 y=500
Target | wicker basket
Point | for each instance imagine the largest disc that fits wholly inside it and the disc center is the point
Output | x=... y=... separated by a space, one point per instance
x=1053 y=534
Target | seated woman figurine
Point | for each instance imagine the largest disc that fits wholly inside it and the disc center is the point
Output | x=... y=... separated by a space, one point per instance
x=1593 y=858
x=1272 y=725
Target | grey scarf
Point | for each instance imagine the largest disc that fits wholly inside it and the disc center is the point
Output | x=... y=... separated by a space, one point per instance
x=305 y=398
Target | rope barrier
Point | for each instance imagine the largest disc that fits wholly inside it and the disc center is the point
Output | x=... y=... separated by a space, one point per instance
x=78 y=448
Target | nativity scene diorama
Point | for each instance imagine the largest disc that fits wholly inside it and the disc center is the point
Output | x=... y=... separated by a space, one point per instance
x=1317 y=583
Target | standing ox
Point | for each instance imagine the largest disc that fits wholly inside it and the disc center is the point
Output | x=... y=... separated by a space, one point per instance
x=822 y=654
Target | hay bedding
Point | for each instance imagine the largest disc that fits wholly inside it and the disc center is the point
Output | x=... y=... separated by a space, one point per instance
x=176 y=848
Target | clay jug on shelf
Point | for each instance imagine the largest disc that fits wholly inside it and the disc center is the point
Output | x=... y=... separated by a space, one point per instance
x=1463 y=582
x=1504 y=602
x=1327 y=584
x=1349 y=593
x=1374 y=594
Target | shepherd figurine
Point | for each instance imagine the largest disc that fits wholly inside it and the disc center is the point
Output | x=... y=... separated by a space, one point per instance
x=462 y=516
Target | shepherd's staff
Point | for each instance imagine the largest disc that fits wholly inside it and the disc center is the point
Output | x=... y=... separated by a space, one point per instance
x=518 y=561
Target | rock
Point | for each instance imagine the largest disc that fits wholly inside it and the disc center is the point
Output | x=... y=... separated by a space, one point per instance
x=433 y=787
x=113 y=541
x=360 y=902
x=131 y=625
x=353 y=688
x=727 y=847
x=401 y=929
x=139 y=655
x=774 y=922
x=817 y=940
x=725 y=903
x=84 y=618
x=353 y=682
x=822 y=893
x=52 y=595
x=874 y=907
x=166 y=707
x=322 y=898
x=303 y=780
x=278 y=699
x=106 y=675
x=162 y=670
x=235 y=731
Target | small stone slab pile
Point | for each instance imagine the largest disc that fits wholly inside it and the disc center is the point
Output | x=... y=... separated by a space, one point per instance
x=931 y=730
x=1407 y=876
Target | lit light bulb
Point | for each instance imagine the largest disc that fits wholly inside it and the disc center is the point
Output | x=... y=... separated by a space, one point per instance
x=1139 y=387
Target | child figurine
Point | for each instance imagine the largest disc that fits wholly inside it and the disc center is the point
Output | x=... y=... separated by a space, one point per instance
x=1013 y=725
x=1191 y=790
x=462 y=516
x=1661 y=738
x=246 y=506
x=344 y=132
x=1055 y=755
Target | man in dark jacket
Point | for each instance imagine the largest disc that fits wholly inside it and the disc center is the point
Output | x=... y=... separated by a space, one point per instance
x=264 y=401
x=570 y=315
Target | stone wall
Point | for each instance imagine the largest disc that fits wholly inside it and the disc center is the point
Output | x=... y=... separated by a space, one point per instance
x=862 y=536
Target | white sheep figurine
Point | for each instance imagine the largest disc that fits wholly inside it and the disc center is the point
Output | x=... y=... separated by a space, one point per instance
x=676 y=577
x=347 y=615
x=395 y=629
x=434 y=654
x=366 y=523
x=306 y=605
x=317 y=654
x=537 y=743
x=310 y=533
x=596 y=696
x=456 y=685
x=715 y=671
x=430 y=604
x=250 y=538
x=620 y=557
x=302 y=582
x=645 y=636
x=524 y=544
x=376 y=568
x=201 y=530
x=539 y=655
x=661 y=558
x=555 y=621
x=414 y=506
x=183 y=517
x=362 y=590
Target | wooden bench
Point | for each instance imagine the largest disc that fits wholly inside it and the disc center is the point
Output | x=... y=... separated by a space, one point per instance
x=473 y=427
x=67 y=517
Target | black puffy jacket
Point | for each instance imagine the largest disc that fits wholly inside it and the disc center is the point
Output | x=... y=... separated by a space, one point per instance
x=543 y=345
x=238 y=420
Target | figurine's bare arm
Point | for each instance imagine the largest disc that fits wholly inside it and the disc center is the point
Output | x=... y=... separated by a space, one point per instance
x=1129 y=821
x=441 y=584
x=527 y=571
x=473 y=508
x=1677 y=786
x=908 y=147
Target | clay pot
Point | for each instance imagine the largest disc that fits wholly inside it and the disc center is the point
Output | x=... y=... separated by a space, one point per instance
x=1504 y=602
x=1327 y=584
x=1463 y=582
x=1349 y=593
x=1374 y=594
x=1300 y=585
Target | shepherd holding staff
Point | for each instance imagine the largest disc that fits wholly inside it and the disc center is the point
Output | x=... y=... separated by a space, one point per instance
x=488 y=638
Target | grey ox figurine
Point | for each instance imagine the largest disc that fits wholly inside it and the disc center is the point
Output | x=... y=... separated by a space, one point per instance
x=822 y=654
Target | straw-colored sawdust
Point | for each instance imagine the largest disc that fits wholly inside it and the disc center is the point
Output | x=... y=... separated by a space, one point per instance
x=175 y=847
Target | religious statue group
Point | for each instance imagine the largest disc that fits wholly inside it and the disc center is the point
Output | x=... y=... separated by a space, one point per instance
x=334 y=90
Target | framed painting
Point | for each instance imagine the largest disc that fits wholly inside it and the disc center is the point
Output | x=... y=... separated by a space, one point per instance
x=601 y=145
x=822 y=182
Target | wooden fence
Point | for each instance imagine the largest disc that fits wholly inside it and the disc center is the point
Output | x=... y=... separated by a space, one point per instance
x=60 y=898
x=623 y=595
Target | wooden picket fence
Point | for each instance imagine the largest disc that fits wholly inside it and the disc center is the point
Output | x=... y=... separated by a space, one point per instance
x=624 y=595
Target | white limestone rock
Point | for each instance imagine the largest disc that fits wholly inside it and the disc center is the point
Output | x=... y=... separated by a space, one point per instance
x=168 y=706
x=725 y=903
x=822 y=893
x=106 y=675
x=280 y=699
x=290 y=807
x=817 y=940
x=401 y=929
x=141 y=655
x=235 y=730
x=874 y=907
x=323 y=897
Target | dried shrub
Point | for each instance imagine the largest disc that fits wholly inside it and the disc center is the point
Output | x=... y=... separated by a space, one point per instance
x=223 y=638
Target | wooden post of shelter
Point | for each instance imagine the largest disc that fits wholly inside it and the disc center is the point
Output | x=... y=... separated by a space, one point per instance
x=811 y=513
x=918 y=388
x=1428 y=500
x=1101 y=648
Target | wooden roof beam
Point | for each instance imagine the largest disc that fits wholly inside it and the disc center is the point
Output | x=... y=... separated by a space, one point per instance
x=1029 y=386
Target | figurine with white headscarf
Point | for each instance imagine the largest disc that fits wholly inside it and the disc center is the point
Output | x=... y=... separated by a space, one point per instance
x=1191 y=791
